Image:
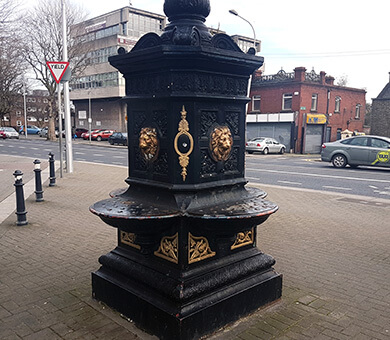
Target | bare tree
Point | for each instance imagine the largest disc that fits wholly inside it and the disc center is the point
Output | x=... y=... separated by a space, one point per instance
x=342 y=80
x=12 y=66
x=43 y=29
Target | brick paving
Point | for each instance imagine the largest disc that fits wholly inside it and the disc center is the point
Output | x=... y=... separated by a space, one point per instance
x=333 y=251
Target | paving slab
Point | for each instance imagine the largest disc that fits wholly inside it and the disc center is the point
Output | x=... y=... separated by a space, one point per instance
x=333 y=253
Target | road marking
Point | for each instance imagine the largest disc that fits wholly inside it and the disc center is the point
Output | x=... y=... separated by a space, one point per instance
x=34 y=149
x=373 y=187
x=337 y=188
x=115 y=166
x=117 y=163
x=318 y=175
x=21 y=147
x=382 y=192
x=287 y=182
x=121 y=157
x=80 y=153
x=98 y=155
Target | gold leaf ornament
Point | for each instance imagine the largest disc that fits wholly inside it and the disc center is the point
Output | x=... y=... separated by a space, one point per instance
x=183 y=130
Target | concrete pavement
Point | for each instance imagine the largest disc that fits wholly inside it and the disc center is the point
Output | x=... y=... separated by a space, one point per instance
x=333 y=251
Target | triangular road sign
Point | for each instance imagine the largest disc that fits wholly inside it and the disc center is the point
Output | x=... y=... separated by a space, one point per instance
x=57 y=69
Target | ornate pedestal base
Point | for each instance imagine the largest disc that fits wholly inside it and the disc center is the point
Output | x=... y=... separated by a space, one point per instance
x=181 y=274
x=216 y=296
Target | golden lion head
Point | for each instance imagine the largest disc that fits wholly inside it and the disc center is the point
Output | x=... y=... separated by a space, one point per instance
x=221 y=143
x=148 y=143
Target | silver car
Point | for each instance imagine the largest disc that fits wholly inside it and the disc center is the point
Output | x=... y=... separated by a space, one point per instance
x=359 y=150
x=10 y=132
x=265 y=145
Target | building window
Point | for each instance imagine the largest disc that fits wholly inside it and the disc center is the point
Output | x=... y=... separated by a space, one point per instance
x=337 y=103
x=314 y=102
x=256 y=103
x=287 y=101
x=357 y=111
x=18 y=123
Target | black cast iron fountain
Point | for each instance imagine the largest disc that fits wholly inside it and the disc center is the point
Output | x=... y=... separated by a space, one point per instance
x=186 y=262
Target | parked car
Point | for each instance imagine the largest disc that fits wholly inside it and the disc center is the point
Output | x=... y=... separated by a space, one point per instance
x=79 y=132
x=359 y=150
x=265 y=145
x=102 y=135
x=9 y=132
x=44 y=131
x=85 y=135
x=31 y=130
x=118 y=138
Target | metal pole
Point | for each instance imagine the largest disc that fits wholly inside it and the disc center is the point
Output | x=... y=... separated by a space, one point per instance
x=25 y=109
x=60 y=128
x=52 y=172
x=20 y=204
x=68 y=125
x=232 y=11
x=89 y=117
x=38 y=181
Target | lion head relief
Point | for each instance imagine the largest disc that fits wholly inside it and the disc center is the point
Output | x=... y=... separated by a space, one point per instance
x=148 y=143
x=221 y=143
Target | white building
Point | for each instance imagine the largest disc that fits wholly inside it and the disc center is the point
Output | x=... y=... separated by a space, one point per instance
x=97 y=92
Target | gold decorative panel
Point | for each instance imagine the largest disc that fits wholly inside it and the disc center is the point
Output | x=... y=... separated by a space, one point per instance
x=129 y=239
x=221 y=143
x=168 y=248
x=243 y=239
x=198 y=249
x=183 y=131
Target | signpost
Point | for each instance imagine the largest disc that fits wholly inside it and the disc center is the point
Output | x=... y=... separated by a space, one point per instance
x=57 y=69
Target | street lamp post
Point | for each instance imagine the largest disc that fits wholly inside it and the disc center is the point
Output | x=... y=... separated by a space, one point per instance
x=25 y=109
x=89 y=116
x=68 y=126
x=234 y=12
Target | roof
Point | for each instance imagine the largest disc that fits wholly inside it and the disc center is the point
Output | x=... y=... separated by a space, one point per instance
x=385 y=93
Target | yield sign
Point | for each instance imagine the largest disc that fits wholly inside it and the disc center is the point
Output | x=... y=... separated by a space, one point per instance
x=57 y=69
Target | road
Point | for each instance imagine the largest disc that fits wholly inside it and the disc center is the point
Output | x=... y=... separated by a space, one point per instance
x=36 y=147
x=297 y=171
x=308 y=172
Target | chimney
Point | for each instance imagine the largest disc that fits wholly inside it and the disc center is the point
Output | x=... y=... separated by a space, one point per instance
x=322 y=77
x=300 y=73
x=329 y=80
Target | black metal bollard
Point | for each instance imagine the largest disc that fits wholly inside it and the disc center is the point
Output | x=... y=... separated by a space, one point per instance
x=20 y=205
x=52 y=170
x=38 y=181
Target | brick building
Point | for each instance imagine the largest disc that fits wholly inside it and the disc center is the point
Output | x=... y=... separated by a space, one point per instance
x=36 y=110
x=380 y=113
x=303 y=109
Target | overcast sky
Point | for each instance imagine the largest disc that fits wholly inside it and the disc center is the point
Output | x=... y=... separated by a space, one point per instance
x=341 y=37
